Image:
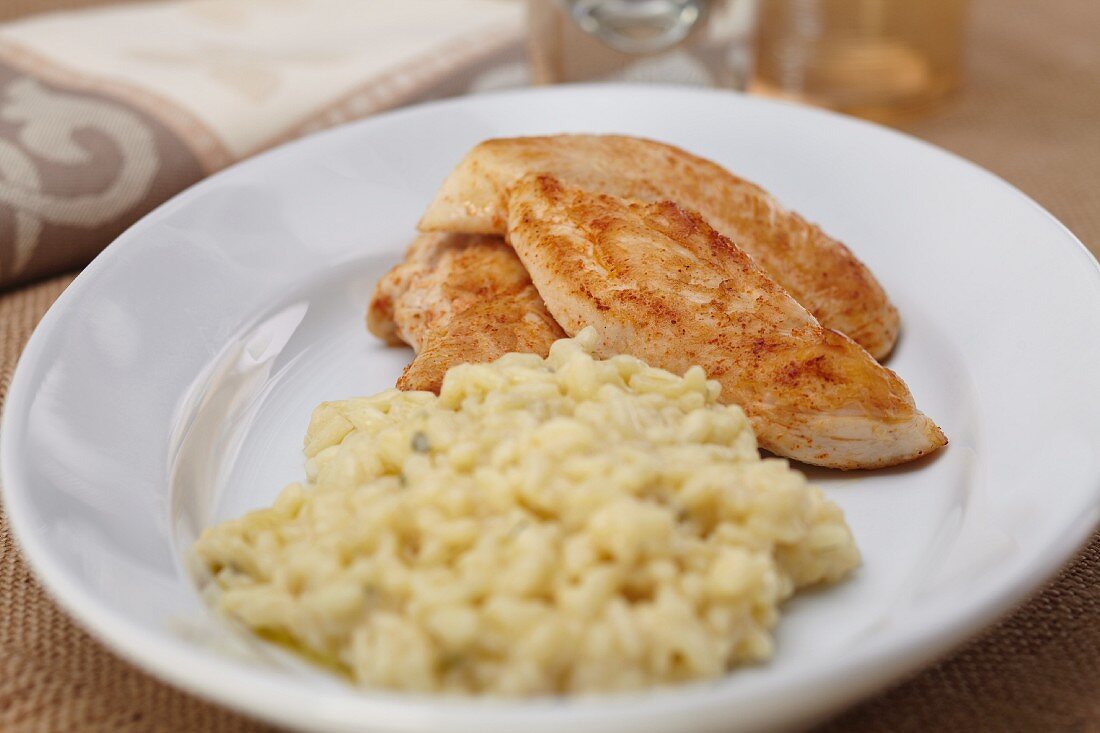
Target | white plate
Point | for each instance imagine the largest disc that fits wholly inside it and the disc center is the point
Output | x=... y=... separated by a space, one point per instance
x=170 y=387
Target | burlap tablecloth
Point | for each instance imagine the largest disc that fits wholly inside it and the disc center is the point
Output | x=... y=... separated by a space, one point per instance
x=1031 y=113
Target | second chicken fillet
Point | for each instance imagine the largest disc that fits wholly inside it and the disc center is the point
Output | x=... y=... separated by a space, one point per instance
x=661 y=284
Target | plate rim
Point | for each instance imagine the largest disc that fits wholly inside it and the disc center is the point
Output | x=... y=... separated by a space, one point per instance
x=197 y=672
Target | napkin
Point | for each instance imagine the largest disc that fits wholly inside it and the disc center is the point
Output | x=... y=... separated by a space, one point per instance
x=107 y=112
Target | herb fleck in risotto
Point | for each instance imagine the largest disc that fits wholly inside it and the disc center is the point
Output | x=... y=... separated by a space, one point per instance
x=543 y=526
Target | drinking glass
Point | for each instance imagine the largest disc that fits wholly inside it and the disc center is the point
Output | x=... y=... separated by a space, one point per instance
x=880 y=59
x=699 y=42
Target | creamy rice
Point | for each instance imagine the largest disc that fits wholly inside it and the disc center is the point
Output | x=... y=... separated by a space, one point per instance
x=543 y=526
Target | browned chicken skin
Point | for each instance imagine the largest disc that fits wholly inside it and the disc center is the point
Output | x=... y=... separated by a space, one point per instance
x=459 y=299
x=820 y=272
x=659 y=283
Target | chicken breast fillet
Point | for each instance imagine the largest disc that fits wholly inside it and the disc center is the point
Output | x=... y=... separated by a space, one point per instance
x=820 y=272
x=659 y=283
x=459 y=299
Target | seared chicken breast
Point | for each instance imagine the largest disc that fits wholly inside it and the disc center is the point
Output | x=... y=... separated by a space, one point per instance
x=459 y=299
x=660 y=283
x=820 y=272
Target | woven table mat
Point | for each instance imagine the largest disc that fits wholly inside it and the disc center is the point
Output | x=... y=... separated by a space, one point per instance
x=1031 y=113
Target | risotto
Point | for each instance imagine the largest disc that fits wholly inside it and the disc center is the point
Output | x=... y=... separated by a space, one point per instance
x=558 y=525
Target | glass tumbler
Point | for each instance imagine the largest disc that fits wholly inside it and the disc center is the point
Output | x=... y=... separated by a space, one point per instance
x=696 y=42
x=880 y=59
